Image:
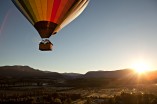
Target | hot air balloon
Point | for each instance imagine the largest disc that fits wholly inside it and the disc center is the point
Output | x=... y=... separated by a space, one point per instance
x=50 y=16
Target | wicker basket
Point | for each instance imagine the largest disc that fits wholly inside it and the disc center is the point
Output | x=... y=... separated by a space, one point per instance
x=46 y=46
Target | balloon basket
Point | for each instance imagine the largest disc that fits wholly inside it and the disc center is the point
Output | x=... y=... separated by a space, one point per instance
x=45 y=45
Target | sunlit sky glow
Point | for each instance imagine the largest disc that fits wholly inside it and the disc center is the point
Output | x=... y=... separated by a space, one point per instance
x=141 y=66
x=108 y=35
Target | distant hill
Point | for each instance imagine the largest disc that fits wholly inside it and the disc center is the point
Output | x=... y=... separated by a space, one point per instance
x=109 y=74
x=25 y=71
x=123 y=76
x=73 y=75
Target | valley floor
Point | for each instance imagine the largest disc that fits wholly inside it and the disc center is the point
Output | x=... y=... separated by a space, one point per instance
x=141 y=94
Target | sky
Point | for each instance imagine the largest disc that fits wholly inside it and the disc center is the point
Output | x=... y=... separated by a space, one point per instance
x=108 y=35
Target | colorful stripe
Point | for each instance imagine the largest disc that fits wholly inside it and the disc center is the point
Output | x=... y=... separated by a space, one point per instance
x=56 y=11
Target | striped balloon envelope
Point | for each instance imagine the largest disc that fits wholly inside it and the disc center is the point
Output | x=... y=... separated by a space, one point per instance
x=50 y=16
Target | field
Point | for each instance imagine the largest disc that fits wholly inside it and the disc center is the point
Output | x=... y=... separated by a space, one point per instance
x=139 y=94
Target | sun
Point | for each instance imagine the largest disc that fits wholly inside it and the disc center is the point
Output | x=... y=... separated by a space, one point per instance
x=141 y=67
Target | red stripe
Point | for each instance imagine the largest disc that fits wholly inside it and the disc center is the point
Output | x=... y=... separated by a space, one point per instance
x=65 y=10
x=54 y=9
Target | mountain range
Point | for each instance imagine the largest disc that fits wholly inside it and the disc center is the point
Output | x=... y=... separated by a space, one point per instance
x=18 y=71
x=25 y=71
x=24 y=75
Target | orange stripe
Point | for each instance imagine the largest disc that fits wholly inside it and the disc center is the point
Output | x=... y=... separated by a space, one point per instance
x=38 y=9
x=49 y=9
x=66 y=8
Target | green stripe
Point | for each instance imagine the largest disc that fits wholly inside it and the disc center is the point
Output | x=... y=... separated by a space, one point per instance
x=26 y=7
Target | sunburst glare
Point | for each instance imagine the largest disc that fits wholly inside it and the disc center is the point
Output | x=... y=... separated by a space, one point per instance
x=141 y=67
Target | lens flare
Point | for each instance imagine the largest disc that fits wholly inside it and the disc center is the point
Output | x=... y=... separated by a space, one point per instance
x=4 y=21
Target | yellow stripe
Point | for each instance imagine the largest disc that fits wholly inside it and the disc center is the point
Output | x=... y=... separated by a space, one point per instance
x=39 y=9
x=34 y=9
x=44 y=8
x=30 y=9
